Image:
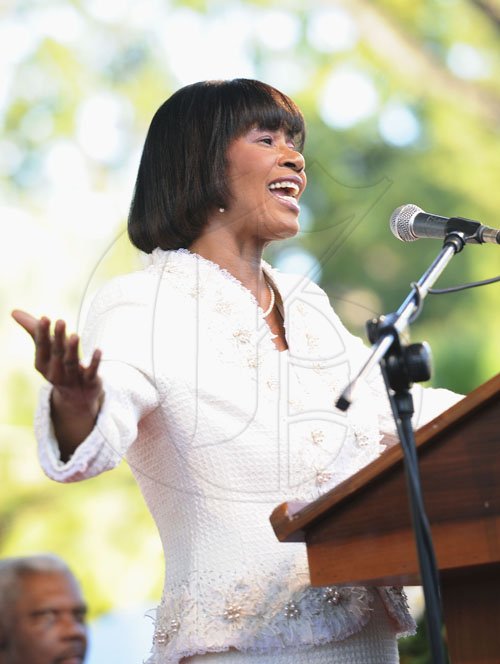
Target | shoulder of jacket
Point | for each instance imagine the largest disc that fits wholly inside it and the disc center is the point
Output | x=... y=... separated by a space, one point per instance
x=134 y=288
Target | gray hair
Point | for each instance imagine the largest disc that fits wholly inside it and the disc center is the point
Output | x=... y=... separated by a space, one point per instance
x=12 y=570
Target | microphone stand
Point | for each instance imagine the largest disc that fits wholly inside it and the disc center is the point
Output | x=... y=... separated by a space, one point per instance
x=401 y=366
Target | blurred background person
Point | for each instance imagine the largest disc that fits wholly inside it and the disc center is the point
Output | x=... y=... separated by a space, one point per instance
x=42 y=612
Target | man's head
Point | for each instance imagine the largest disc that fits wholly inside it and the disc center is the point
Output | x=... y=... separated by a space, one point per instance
x=42 y=612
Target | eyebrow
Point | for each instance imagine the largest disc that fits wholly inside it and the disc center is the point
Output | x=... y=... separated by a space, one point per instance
x=79 y=608
x=288 y=134
x=274 y=130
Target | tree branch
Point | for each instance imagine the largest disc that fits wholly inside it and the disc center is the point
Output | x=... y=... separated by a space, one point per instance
x=490 y=9
x=406 y=55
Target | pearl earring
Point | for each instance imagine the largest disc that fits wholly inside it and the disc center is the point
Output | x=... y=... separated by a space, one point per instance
x=221 y=210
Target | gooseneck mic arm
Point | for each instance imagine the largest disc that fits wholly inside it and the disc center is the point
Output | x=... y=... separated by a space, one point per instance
x=401 y=366
x=406 y=313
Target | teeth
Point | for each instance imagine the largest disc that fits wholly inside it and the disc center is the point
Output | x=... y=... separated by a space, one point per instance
x=285 y=185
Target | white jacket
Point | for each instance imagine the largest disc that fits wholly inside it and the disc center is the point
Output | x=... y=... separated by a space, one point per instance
x=218 y=428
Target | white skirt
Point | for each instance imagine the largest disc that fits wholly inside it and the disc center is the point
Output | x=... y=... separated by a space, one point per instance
x=374 y=644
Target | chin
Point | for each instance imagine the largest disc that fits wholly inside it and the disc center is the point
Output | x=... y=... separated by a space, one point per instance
x=289 y=231
x=281 y=230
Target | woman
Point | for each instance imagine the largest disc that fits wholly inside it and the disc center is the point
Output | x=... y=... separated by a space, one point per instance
x=217 y=382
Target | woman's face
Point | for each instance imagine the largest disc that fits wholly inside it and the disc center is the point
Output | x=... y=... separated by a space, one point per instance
x=266 y=180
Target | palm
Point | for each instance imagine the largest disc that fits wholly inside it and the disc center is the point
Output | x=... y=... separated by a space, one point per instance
x=56 y=358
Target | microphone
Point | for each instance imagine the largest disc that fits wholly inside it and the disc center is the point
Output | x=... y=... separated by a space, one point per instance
x=409 y=223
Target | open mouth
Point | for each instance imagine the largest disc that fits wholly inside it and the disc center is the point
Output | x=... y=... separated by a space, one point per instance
x=286 y=191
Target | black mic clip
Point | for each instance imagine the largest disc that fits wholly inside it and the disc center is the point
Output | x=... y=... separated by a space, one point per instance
x=459 y=230
x=405 y=364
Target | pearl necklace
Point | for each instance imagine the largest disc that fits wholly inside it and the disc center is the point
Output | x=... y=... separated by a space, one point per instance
x=271 y=303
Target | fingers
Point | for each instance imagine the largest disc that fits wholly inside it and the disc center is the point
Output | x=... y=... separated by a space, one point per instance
x=25 y=320
x=39 y=330
x=90 y=372
x=42 y=341
x=70 y=358
x=56 y=357
x=65 y=367
x=57 y=350
x=59 y=342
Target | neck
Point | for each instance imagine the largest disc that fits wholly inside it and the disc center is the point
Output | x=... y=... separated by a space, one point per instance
x=242 y=260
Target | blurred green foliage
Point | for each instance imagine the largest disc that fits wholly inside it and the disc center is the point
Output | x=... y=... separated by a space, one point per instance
x=356 y=179
x=415 y=649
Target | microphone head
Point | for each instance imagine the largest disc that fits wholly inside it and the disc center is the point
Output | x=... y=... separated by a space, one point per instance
x=402 y=222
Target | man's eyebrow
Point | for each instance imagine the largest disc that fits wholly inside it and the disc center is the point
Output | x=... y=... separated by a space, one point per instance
x=35 y=612
x=83 y=608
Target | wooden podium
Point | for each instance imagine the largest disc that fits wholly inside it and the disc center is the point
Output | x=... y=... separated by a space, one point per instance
x=360 y=532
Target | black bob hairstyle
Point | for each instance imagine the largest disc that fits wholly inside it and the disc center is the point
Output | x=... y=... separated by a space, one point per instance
x=182 y=173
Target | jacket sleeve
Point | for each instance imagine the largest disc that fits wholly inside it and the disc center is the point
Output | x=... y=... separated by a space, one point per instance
x=119 y=322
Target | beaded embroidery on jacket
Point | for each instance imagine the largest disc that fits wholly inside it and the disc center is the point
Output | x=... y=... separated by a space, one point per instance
x=234 y=429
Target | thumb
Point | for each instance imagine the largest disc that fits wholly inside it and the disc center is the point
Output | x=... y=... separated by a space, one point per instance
x=25 y=320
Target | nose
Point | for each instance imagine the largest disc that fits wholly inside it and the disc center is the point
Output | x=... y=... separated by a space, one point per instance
x=293 y=159
x=73 y=628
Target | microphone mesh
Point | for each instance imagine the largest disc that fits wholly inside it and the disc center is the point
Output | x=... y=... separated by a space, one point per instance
x=402 y=222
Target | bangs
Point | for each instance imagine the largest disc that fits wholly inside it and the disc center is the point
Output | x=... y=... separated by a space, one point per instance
x=247 y=103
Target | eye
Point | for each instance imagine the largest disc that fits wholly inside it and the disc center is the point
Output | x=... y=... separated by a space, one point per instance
x=45 y=617
x=80 y=615
x=268 y=140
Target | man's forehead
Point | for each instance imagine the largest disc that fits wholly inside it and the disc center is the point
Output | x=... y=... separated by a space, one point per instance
x=39 y=589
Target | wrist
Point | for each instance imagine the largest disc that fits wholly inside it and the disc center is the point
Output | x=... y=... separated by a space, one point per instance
x=65 y=401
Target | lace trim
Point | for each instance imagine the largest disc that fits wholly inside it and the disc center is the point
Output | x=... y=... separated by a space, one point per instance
x=250 y=337
x=255 y=616
x=396 y=603
x=160 y=258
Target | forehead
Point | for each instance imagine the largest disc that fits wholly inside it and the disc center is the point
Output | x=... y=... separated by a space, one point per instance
x=55 y=589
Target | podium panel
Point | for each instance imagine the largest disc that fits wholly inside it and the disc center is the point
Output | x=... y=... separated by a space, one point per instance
x=361 y=531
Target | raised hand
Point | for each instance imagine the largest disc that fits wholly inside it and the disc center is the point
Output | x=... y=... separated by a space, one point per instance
x=78 y=394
